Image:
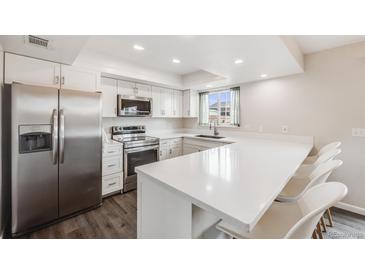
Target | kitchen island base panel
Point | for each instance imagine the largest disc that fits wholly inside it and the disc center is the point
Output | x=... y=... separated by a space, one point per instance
x=164 y=214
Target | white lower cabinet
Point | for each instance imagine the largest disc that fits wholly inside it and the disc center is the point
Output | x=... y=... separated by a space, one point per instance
x=112 y=183
x=112 y=169
x=170 y=148
x=191 y=145
x=188 y=149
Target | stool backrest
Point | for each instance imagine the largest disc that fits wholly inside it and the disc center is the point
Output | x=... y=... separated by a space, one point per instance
x=328 y=147
x=313 y=204
x=327 y=156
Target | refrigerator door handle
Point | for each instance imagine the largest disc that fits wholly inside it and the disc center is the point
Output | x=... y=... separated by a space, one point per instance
x=55 y=136
x=62 y=136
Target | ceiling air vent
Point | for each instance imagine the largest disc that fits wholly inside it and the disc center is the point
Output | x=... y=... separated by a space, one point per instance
x=34 y=40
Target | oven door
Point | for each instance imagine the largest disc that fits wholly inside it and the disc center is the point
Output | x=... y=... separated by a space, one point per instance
x=134 y=157
x=134 y=106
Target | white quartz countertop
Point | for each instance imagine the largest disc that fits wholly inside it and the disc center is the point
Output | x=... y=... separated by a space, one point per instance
x=172 y=135
x=237 y=182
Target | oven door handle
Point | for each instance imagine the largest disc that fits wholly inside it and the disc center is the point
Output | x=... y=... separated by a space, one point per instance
x=138 y=149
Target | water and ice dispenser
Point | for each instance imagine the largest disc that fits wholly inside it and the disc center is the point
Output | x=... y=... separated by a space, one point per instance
x=35 y=138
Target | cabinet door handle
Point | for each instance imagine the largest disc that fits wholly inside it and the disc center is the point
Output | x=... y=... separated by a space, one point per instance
x=111 y=184
x=160 y=152
x=170 y=151
x=111 y=165
x=62 y=80
x=57 y=80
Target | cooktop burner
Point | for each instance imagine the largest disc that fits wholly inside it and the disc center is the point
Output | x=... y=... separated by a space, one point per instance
x=133 y=136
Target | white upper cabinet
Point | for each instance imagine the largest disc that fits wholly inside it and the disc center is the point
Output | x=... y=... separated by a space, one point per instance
x=39 y=72
x=156 y=102
x=126 y=88
x=143 y=90
x=190 y=103
x=109 y=89
x=79 y=79
x=166 y=102
x=177 y=103
x=31 y=71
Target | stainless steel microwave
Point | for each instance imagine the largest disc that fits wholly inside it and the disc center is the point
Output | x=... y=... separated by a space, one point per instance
x=133 y=106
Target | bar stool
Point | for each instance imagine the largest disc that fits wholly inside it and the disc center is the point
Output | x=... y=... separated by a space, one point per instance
x=328 y=147
x=295 y=220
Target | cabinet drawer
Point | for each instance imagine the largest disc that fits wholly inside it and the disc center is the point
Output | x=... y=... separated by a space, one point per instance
x=176 y=141
x=112 y=183
x=164 y=143
x=112 y=165
x=112 y=150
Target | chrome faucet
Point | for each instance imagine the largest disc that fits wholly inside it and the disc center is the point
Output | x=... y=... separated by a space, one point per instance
x=215 y=125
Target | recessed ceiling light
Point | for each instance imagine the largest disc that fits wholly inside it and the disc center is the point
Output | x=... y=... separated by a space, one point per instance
x=138 y=47
x=176 y=61
x=263 y=75
x=238 y=61
x=209 y=86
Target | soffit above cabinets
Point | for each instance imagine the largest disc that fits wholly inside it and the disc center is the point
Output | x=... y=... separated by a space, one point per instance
x=60 y=48
x=211 y=57
x=315 y=43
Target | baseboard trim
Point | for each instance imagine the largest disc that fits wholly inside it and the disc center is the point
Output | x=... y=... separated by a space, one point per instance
x=351 y=208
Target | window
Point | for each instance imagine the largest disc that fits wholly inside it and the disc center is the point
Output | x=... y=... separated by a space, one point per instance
x=220 y=106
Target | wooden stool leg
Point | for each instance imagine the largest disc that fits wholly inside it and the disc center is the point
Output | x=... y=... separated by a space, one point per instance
x=314 y=234
x=329 y=215
x=323 y=224
x=319 y=231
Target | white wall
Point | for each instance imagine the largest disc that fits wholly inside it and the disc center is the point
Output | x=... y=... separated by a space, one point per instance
x=326 y=101
x=151 y=124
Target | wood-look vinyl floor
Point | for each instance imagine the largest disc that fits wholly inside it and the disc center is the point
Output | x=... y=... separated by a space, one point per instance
x=347 y=225
x=117 y=219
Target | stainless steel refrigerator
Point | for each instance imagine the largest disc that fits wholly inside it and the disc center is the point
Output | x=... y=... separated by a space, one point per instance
x=56 y=148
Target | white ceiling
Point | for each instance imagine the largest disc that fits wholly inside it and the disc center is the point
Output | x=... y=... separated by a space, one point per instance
x=212 y=54
x=62 y=48
x=315 y=43
x=205 y=59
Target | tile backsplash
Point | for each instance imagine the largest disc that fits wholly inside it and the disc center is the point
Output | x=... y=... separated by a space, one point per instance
x=150 y=123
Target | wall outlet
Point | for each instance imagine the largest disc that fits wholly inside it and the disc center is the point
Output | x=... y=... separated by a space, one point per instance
x=284 y=129
x=355 y=132
x=358 y=132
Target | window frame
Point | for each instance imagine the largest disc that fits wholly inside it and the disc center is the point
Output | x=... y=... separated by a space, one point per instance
x=219 y=109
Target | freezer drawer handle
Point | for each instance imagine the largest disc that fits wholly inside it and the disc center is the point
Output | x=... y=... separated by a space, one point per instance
x=111 y=184
x=55 y=136
x=62 y=136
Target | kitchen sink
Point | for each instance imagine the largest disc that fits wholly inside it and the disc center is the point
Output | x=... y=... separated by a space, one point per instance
x=209 y=136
